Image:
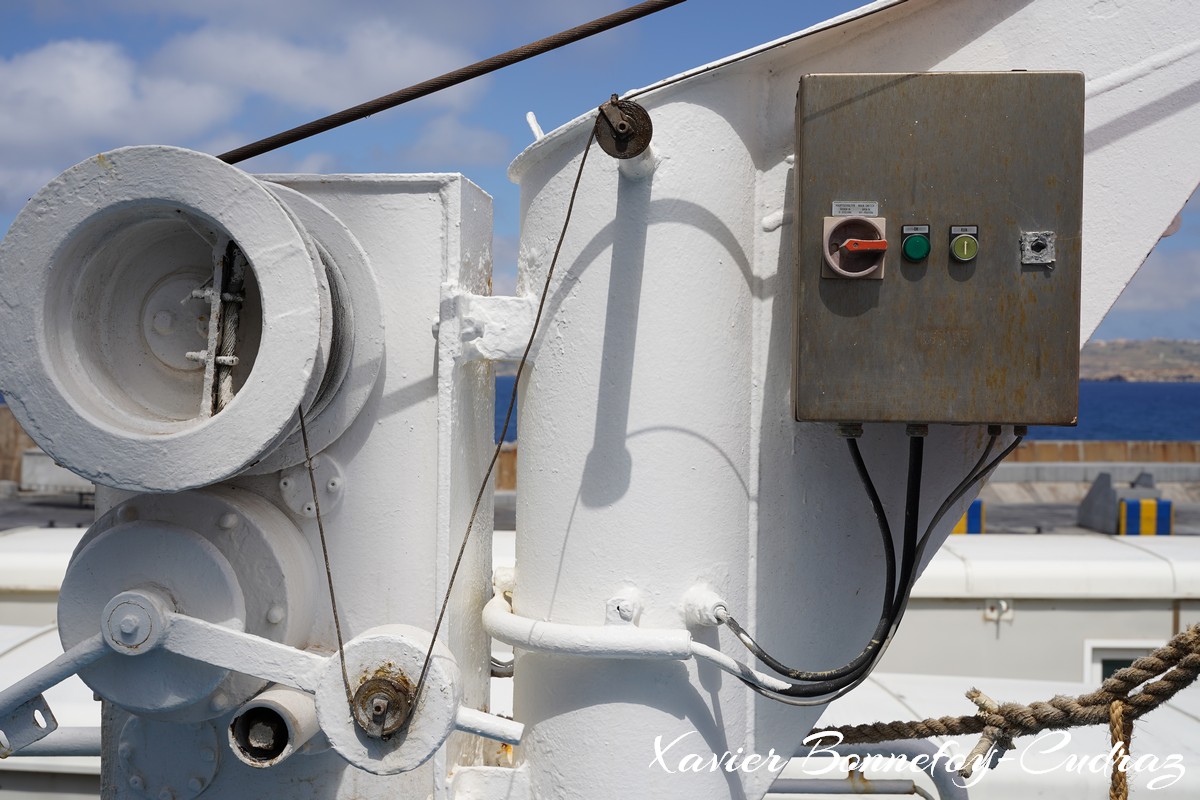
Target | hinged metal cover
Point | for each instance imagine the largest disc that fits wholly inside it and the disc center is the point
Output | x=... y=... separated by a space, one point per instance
x=968 y=333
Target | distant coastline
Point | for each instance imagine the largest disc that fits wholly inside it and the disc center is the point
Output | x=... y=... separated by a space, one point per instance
x=1141 y=361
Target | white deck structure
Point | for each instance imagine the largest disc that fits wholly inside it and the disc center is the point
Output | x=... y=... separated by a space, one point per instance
x=661 y=465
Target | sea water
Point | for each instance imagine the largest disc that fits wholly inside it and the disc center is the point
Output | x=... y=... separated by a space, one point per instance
x=1108 y=410
x=1115 y=410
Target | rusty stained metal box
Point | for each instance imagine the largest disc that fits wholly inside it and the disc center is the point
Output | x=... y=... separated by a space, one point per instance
x=989 y=340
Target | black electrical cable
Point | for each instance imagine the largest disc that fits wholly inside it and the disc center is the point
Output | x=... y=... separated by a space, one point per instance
x=914 y=549
x=885 y=530
x=968 y=482
x=972 y=478
x=460 y=75
x=912 y=503
x=823 y=683
x=889 y=594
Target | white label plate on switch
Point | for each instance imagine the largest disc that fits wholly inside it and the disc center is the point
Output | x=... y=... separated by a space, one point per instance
x=855 y=208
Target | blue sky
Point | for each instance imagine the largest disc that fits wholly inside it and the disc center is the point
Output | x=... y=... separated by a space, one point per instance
x=81 y=76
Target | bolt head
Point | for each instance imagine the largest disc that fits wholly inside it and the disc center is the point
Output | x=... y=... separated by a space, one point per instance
x=129 y=625
x=136 y=783
x=228 y=522
x=196 y=785
x=275 y=614
x=166 y=794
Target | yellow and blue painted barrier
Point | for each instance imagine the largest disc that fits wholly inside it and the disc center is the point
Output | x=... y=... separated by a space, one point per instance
x=1145 y=517
x=973 y=520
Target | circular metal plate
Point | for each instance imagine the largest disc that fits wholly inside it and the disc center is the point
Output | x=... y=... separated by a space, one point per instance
x=156 y=760
x=395 y=653
x=69 y=383
x=270 y=573
x=138 y=554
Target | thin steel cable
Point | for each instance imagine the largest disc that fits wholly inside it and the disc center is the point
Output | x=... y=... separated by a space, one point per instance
x=512 y=401
x=441 y=82
x=337 y=625
x=752 y=53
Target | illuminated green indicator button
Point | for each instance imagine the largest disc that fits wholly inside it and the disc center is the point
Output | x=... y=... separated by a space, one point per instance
x=915 y=247
x=964 y=247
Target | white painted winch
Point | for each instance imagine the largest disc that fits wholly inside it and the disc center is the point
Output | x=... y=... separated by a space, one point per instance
x=169 y=318
x=113 y=276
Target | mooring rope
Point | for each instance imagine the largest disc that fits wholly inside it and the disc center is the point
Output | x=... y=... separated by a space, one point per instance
x=1120 y=731
x=1159 y=675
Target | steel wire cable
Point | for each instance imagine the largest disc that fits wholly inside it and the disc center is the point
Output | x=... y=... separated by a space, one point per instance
x=453 y=78
x=512 y=401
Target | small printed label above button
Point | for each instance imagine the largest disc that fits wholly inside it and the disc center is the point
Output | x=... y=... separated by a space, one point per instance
x=855 y=208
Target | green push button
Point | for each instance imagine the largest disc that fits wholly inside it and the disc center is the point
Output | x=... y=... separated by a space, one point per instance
x=915 y=247
x=964 y=247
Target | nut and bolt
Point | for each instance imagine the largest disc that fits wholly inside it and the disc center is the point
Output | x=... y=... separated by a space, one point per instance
x=381 y=706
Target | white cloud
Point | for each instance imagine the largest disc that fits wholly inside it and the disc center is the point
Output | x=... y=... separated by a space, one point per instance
x=448 y=142
x=1167 y=281
x=67 y=99
x=473 y=21
x=71 y=91
x=364 y=61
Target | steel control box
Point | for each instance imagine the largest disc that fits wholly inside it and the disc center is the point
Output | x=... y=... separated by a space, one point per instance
x=938 y=247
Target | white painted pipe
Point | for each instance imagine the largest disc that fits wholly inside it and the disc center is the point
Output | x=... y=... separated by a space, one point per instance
x=65 y=742
x=270 y=728
x=598 y=641
x=612 y=641
x=489 y=726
